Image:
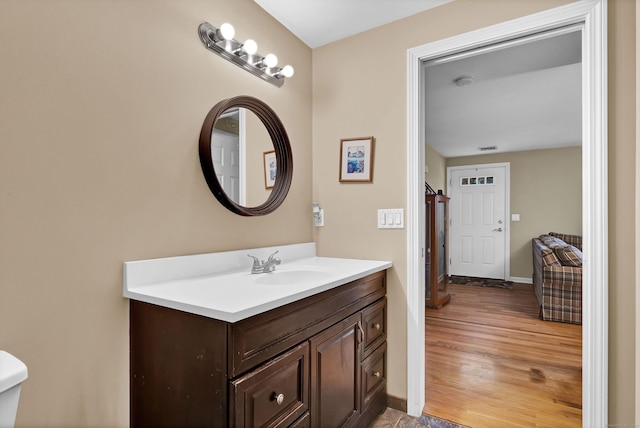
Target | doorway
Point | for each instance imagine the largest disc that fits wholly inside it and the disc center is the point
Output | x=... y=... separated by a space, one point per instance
x=591 y=16
x=479 y=232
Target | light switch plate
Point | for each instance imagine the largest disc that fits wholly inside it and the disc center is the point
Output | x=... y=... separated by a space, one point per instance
x=391 y=218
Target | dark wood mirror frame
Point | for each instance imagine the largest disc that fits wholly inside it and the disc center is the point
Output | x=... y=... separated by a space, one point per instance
x=280 y=139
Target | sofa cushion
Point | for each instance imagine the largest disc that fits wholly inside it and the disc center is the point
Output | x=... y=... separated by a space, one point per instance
x=552 y=241
x=575 y=240
x=550 y=259
x=569 y=255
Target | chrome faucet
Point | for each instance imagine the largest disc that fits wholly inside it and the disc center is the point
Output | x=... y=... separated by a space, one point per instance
x=264 y=266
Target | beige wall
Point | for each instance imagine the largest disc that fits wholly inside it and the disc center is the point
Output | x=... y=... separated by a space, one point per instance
x=435 y=169
x=622 y=258
x=353 y=96
x=546 y=190
x=102 y=104
x=101 y=107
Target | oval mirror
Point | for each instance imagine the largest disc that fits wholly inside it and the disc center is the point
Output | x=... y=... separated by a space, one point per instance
x=235 y=157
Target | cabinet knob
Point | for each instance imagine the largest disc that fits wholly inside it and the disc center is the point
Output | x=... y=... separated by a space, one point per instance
x=376 y=326
x=376 y=374
x=279 y=398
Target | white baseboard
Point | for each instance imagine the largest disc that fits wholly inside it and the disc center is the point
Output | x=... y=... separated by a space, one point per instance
x=521 y=280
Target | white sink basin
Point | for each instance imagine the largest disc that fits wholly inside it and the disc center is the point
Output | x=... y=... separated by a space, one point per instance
x=221 y=286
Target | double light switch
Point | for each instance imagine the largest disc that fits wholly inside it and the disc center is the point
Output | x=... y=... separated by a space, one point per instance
x=391 y=218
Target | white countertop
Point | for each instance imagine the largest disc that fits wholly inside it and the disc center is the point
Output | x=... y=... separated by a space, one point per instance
x=221 y=286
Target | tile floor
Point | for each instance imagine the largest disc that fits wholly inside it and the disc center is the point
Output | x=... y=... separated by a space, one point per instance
x=392 y=418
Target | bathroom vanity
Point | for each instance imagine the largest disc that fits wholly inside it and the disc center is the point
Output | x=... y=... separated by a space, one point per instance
x=317 y=359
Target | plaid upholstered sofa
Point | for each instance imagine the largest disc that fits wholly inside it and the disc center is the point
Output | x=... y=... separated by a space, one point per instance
x=557 y=276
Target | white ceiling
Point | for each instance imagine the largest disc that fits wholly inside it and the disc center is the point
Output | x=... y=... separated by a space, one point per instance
x=318 y=22
x=524 y=97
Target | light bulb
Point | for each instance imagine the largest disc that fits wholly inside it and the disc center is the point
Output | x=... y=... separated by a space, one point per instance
x=271 y=60
x=250 y=47
x=227 y=31
x=287 y=71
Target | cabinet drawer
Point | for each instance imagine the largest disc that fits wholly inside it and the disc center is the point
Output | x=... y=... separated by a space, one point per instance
x=256 y=339
x=374 y=375
x=374 y=323
x=303 y=422
x=273 y=395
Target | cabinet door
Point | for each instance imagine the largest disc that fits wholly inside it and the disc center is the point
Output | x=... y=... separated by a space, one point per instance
x=335 y=374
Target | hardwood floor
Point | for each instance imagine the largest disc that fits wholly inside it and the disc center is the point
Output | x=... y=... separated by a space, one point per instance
x=490 y=362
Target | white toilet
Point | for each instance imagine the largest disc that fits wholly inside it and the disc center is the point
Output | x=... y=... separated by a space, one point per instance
x=12 y=373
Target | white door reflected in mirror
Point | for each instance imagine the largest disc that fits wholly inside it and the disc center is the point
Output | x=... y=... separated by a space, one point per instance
x=228 y=153
x=238 y=142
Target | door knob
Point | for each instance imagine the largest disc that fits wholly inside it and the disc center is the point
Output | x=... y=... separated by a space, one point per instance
x=279 y=398
x=498 y=229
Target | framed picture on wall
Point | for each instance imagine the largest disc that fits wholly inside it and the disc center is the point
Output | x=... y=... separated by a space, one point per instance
x=356 y=159
x=270 y=169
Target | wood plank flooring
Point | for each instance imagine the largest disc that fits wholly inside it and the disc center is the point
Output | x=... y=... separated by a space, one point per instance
x=490 y=362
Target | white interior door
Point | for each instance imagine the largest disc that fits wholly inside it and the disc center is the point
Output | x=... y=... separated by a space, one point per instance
x=478 y=212
x=225 y=152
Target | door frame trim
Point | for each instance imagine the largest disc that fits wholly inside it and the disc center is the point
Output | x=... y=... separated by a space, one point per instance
x=592 y=14
x=507 y=209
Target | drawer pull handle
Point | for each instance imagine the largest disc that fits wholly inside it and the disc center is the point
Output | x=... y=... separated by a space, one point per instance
x=376 y=326
x=279 y=398
x=376 y=374
x=361 y=337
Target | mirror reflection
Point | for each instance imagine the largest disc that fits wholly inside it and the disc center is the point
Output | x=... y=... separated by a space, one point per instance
x=243 y=148
x=238 y=143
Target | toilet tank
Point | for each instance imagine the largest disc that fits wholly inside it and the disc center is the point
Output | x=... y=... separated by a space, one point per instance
x=12 y=373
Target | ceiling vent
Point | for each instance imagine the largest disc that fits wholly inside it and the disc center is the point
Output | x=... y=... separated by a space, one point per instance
x=488 y=148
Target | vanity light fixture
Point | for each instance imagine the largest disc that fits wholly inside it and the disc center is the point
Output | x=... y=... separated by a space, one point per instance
x=244 y=55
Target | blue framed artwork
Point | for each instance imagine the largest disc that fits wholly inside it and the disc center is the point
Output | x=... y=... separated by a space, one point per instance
x=356 y=159
x=270 y=169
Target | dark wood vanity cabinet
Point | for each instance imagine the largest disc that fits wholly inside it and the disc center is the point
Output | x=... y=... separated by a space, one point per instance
x=317 y=362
